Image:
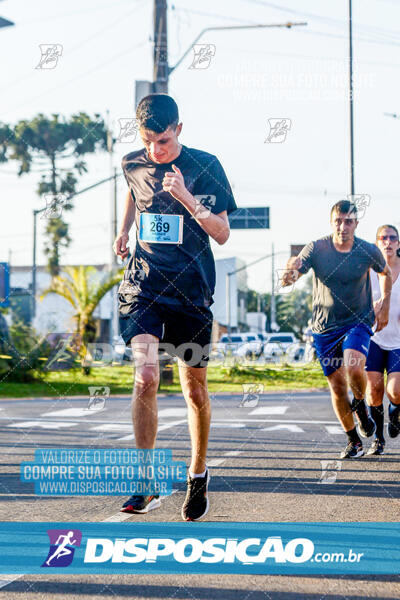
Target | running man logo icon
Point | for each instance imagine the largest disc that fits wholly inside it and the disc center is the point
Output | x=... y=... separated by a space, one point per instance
x=278 y=129
x=50 y=54
x=330 y=469
x=62 y=542
x=54 y=205
x=98 y=395
x=362 y=202
x=251 y=394
x=203 y=54
x=128 y=129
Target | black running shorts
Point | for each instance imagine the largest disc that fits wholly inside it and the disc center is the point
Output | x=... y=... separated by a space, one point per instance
x=184 y=331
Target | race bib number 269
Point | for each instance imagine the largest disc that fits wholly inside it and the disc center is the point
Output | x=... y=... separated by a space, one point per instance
x=160 y=229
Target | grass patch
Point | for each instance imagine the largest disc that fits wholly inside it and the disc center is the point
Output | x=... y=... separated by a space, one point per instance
x=120 y=379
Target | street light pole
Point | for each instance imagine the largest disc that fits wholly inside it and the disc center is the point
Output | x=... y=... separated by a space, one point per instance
x=40 y=210
x=288 y=25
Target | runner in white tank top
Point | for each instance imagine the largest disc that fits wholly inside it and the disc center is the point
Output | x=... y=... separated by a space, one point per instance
x=384 y=353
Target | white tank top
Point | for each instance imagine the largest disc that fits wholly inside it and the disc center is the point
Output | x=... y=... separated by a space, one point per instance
x=389 y=337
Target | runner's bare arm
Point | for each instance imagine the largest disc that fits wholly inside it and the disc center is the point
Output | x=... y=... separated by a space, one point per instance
x=291 y=274
x=382 y=309
x=217 y=226
x=120 y=245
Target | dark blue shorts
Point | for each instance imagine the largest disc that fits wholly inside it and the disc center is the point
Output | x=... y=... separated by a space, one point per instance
x=183 y=331
x=331 y=346
x=383 y=360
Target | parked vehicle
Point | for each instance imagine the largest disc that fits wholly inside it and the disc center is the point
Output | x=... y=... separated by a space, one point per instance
x=247 y=345
x=277 y=344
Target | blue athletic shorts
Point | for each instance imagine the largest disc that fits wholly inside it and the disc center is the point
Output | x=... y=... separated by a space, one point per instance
x=383 y=360
x=331 y=346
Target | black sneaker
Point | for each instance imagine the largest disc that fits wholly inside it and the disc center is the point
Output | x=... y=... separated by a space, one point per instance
x=377 y=447
x=394 y=424
x=141 y=504
x=353 y=450
x=366 y=425
x=196 y=502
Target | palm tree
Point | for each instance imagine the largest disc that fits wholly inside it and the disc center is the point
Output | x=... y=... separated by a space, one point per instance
x=84 y=292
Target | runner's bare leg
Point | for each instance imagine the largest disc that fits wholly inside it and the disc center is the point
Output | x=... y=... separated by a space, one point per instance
x=144 y=398
x=194 y=388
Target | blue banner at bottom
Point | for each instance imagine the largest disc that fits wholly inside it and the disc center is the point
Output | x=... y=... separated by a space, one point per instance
x=248 y=548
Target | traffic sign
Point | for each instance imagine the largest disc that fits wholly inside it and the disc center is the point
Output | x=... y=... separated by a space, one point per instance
x=255 y=217
x=4 y=285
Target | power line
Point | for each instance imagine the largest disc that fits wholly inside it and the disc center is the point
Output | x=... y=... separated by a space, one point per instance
x=331 y=22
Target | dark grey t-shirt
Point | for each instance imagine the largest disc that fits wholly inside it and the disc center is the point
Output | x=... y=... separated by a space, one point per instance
x=341 y=282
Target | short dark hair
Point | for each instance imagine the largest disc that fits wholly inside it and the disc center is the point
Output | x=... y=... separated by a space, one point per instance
x=345 y=207
x=157 y=112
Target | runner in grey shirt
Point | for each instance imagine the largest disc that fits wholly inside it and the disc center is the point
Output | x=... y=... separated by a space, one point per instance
x=343 y=314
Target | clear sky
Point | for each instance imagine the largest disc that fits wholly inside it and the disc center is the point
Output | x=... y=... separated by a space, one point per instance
x=298 y=74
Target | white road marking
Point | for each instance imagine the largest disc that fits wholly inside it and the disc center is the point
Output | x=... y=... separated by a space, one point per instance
x=173 y=412
x=112 y=427
x=277 y=421
x=334 y=429
x=215 y=462
x=72 y=412
x=44 y=424
x=292 y=428
x=227 y=425
x=269 y=410
x=131 y=436
x=10 y=579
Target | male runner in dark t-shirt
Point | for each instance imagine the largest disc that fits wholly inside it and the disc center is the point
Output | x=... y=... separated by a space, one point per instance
x=178 y=197
x=343 y=314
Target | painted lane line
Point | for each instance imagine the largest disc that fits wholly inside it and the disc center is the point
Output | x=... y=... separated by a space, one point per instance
x=292 y=428
x=269 y=410
x=131 y=436
x=43 y=424
x=173 y=412
x=10 y=579
x=334 y=429
x=73 y=412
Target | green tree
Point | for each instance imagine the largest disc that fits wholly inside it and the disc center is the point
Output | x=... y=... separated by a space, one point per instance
x=82 y=289
x=55 y=147
x=295 y=310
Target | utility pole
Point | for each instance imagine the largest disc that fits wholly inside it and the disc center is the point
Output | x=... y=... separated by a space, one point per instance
x=33 y=291
x=273 y=300
x=351 y=98
x=160 y=51
x=113 y=229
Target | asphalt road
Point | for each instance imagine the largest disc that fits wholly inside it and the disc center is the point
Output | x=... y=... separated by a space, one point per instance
x=265 y=465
